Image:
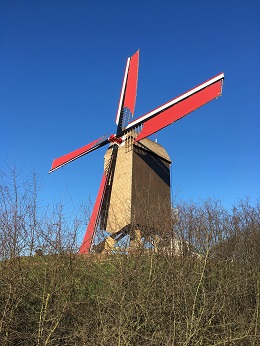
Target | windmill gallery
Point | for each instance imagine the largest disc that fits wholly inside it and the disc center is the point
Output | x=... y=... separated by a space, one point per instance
x=134 y=195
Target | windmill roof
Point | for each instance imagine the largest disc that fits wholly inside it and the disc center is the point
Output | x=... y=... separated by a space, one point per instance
x=156 y=148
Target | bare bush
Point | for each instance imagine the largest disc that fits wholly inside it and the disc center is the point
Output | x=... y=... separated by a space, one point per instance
x=27 y=225
x=207 y=293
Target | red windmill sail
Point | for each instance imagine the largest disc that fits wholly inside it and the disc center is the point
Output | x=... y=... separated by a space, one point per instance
x=65 y=159
x=132 y=80
x=92 y=225
x=151 y=122
x=178 y=107
x=128 y=92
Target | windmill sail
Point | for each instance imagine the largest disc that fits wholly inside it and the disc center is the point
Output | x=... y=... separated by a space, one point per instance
x=178 y=107
x=132 y=80
x=65 y=159
x=127 y=99
x=100 y=204
x=94 y=219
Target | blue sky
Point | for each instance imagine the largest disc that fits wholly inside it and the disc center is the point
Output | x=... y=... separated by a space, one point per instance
x=61 y=70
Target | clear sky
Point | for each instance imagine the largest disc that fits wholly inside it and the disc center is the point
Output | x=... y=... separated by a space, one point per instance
x=62 y=64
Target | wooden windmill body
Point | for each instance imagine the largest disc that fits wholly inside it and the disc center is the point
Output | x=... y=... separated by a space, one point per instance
x=137 y=201
x=134 y=194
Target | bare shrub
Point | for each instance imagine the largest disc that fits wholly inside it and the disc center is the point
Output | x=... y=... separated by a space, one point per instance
x=27 y=225
x=207 y=293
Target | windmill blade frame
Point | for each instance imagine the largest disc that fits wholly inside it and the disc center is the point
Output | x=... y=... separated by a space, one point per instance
x=94 y=218
x=177 y=108
x=126 y=106
x=101 y=203
x=73 y=155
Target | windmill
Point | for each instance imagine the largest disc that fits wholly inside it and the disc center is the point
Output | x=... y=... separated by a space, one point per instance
x=136 y=181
